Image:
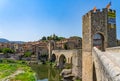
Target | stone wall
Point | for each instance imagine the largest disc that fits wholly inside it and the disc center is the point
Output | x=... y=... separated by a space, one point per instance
x=96 y=22
x=114 y=49
x=77 y=64
x=105 y=69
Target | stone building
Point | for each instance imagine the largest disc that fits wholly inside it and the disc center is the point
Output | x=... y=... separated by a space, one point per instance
x=6 y=45
x=99 y=29
x=71 y=43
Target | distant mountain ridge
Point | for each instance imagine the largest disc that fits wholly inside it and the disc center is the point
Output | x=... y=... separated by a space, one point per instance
x=3 y=40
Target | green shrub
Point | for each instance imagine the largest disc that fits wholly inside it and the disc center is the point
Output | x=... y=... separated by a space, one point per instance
x=27 y=54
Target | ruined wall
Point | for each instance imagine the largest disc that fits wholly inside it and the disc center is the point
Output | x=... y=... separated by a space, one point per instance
x=105 y=69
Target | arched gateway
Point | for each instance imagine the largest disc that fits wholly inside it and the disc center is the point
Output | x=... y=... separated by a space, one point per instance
x=99 y=30
x=98 y=41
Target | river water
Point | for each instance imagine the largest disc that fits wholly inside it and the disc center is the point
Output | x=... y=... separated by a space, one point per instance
x=46 y=73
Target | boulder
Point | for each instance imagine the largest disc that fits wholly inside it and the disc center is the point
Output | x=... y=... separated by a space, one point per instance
x=66 y=72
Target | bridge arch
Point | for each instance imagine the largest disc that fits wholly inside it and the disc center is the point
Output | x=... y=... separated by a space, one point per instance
x=98 y=41
x=62 y=60
x=53 y=57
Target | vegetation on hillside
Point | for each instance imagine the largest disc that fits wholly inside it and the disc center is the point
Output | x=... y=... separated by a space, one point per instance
x=76 y=37
x=6 y=50
x=52 y=37
x=56 y=38
x=27 y=54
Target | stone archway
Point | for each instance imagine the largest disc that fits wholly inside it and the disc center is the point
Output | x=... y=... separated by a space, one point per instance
x=62 y=61
x=98 y=41
x=53 y=58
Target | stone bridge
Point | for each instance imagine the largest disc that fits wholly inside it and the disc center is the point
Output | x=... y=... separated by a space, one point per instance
x=106 y=65
x=73 y=57
x=67 y=54
x=99 y=57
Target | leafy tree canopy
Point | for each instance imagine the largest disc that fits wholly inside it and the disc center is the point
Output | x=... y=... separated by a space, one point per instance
x=27 y=54
x=6 y=50
x=76 y=37
x=43 y=38
x=52 y=37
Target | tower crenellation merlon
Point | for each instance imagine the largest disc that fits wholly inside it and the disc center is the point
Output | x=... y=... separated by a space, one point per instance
x=87 y=14
x=99 y=11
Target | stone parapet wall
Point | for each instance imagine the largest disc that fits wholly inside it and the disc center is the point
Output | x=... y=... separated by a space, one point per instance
x=114 y=49
x=64 y=51
x=105 y=68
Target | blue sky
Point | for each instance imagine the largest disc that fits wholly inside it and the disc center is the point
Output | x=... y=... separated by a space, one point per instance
x=29 y=20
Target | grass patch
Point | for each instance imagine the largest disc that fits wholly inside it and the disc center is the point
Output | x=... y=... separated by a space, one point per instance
x=8 y=67
x=29 y=75
x=77 y=80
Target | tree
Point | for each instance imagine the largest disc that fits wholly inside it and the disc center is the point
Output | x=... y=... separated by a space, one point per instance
x=49 y=38
x=65 y=46
x=43 y=38
x=60 y=38
x=0 y=50
x=27 y=54
x=7 y=50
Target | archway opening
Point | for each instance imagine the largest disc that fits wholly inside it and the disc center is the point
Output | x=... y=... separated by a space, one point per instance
x=98 y=41
x=53 y=58
x=62 y=61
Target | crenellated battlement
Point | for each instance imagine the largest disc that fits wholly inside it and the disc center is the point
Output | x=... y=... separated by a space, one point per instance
x=99 y=11
x=87 y=14
x=113 y=11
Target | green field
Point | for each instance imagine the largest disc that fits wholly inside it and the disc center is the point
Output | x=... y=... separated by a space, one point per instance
x=15 y=71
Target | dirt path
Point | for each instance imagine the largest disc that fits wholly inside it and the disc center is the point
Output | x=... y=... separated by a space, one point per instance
x=12 y=75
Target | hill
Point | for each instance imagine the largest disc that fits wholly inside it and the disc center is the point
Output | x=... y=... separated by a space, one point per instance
x=3 y=40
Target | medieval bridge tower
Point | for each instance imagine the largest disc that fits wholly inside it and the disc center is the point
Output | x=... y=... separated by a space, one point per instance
x=99 y=29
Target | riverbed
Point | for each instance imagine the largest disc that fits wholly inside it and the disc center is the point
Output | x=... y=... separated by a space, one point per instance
x=46 y=72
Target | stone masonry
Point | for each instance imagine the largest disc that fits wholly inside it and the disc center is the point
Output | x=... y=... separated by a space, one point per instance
x=93 y=23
